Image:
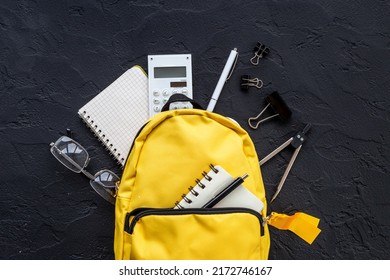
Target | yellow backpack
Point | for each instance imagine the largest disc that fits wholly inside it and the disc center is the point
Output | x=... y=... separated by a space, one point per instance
x=170 y=152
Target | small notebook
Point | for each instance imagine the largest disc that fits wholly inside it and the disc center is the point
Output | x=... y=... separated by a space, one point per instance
x=117 y=113
x=212 y=184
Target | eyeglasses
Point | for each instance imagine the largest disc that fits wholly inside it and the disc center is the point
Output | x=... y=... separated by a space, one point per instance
x=75 y=157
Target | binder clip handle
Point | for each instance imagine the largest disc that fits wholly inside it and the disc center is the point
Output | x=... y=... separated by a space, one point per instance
x=247 y=81
x=260 y=51
x=277 y=105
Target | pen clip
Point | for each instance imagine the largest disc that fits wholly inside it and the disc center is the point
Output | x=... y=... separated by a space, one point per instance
x=233 y=66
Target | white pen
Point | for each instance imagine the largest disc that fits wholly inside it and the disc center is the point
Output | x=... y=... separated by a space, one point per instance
x=224 y=76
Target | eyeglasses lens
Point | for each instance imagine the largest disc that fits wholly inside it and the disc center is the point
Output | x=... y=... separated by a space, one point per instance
x=104 y=184
x=106 y=179
x=70 y=153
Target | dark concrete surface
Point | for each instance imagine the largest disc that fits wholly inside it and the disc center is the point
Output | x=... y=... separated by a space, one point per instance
x=329 y=60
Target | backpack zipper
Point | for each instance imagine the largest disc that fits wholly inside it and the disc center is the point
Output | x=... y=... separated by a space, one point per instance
x=142 y=212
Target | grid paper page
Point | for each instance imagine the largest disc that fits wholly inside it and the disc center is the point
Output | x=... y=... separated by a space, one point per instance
x=117 y=113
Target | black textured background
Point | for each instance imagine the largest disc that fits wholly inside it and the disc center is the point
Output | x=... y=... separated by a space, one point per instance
x=329 y=60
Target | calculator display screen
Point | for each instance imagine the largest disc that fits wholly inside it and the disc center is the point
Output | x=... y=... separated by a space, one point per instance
x=178 y=84
x=170 y=72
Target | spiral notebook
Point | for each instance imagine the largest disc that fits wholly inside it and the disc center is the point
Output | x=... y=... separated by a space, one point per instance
x=212 y=184
x=117 y=113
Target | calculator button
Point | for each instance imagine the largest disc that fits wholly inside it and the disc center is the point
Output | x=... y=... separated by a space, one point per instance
x=165 y=100
x=165 y=92
x=156 y=108
x=184 y=91
x=156 y=101
x=156 y=92
x=175 y=91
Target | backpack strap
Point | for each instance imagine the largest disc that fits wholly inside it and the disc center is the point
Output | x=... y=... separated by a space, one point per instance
x=180 y=98
x=302 y=224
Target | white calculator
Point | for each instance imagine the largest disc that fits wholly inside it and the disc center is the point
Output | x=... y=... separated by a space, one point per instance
x=168 y=74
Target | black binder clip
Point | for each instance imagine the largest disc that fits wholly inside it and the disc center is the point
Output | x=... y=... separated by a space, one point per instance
x=260 y=51
x=296 y=142
x=247 y=81
x=277 y=105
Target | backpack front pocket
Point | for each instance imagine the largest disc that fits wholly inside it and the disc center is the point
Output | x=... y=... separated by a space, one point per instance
x=204 y=233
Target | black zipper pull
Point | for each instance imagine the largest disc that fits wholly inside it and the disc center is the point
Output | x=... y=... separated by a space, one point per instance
x=134 y=213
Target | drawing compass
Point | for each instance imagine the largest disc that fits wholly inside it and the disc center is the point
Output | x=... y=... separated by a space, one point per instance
x=296 y=142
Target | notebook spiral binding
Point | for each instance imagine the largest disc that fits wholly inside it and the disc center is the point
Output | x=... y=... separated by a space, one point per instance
x=198 y=183
x=99 y=134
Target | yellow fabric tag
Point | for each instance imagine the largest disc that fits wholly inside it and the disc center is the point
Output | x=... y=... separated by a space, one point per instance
x=303 y=225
